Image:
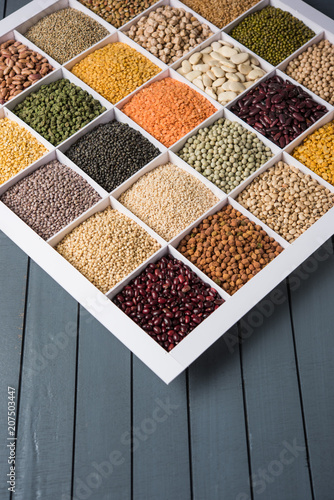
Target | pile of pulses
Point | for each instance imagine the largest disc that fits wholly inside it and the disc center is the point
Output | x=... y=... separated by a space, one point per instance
x=20 y=67
x=58 y=110
x=279 y=110
x=50 y=198
x=168 y=301
x=18 y=149
x=65 y=33
x=115 y=70
x=229 y=248
x=117 y=12
x=272 y=33
x=107 y=247
x=222 y=70
x=314 y=69
x=220 y=12
x=225 y=153
x=316 y=152
x=287 y=200
x=169 y=33
x=168 y=199
x=111 y=153
x=168 y=110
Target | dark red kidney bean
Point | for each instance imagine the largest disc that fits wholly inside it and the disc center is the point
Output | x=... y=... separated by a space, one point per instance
x=168 y=300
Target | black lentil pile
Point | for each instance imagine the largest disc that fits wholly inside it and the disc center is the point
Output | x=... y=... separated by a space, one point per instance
x=50 y=198
x=111 y=153
x=58 y=110
x=272 y=33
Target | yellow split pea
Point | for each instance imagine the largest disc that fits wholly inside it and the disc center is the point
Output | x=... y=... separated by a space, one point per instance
x=115 y=71
x=316 y=152
x=18 y=149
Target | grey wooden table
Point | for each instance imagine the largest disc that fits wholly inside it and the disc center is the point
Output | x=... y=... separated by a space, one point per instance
x=252 y=419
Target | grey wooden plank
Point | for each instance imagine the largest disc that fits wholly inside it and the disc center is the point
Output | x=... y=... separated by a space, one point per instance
x=160 y=437
x=275 y=424
x=217 y=424
x=324 y=6
x=13 y=272
x=313 y=319
x=45 y=425
x=102 y=465
x=13 y=5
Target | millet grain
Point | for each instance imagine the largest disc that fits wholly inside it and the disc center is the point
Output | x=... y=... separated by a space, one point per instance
x=107 y=247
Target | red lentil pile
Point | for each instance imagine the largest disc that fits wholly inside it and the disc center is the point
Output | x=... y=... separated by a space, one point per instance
x=168 y=110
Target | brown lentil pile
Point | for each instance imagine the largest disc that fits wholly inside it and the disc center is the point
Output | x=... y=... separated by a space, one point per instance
x=229 y=248
x=20 y=67
x=115 y=71
x=169 y=33
x=117 y=12
x=220 y=12
x=316 y=152
x=287 y=200
x=18 y=149
x=71 y=32
x=168 y=199
x=107 y=247
x=314 y=69
x=50 y=198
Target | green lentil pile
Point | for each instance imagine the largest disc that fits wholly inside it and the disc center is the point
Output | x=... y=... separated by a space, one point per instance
x=58 y=110
x=272 y=33
x=225 y=153
x=65 y=33
x=117 y=12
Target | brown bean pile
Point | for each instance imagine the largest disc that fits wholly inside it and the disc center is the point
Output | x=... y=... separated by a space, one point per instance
x=20 y=67
x=106 y=247
x=314 y=69
x=50 y=198
x=229 y=248
x=220 y=12
x=287 y=200
x=117 y=12
x=169 y=33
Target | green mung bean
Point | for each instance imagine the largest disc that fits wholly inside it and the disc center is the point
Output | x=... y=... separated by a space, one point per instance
x=272 y=33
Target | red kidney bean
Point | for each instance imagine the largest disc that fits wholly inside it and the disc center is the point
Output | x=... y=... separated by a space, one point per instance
x=174 y=301
x=279 y=110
